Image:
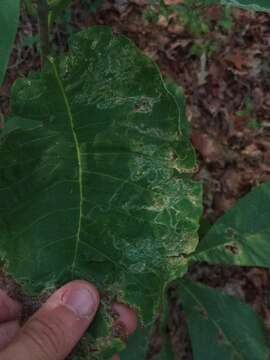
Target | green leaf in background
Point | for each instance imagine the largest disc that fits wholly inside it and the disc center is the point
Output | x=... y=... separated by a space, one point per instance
x=9 y=15
x=242 y=235
x=258 y=5
x=94 y=181
x=138 y=344
x=56 y=7
x=222 y=327
x=186 y=149
x=166 y=352
x=30 y=7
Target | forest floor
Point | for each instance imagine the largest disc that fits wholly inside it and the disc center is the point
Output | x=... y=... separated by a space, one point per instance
x=224 y=69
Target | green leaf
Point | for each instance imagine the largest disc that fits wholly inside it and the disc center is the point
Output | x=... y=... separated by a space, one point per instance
x=9 y=15
x=137 y=345
x=241 y=236
x=220 y=326
x=166 y=352
x=186 y=149
x=258 y=5
x=30 y=7
x=93 y=183
x=205 y=226
x=56 y=8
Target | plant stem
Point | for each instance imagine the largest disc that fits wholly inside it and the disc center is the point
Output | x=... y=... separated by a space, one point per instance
x=42 y=9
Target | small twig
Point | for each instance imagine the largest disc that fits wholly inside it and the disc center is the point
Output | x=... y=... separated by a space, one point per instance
x=42 y=9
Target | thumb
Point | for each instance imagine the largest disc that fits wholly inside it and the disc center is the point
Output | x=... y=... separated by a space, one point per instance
x=53 y=331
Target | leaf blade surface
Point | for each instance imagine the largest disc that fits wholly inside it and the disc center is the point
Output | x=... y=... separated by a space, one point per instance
x=93 y=184
x=257 y=5
x=9 y=15
x=241 y=236
x=221 y=326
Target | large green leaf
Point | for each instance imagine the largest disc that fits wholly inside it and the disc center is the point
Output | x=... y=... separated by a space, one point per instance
x=94 y=179
x=258 y=5
x=221 y=327
x=9 y=15
x=242 y=235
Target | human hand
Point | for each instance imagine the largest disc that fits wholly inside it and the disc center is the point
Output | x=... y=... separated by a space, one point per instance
x=53 y=331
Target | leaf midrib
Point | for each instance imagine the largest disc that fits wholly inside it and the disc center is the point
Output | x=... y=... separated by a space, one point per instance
x=79 y=161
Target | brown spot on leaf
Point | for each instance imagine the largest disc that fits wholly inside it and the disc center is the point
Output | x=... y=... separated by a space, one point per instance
x=221 y=338
x=232 y=248
x=202 y=311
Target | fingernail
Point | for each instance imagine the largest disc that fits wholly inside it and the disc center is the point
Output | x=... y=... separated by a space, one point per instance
x=82 y=301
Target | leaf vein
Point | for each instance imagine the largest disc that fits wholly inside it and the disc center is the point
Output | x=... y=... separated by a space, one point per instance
x=79 y=160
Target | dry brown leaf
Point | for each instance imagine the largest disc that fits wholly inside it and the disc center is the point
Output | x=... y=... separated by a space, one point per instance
x=238 y=60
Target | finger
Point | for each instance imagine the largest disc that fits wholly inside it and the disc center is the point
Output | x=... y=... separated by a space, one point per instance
x=126 y=318
x=8 y=331
x=54 y=330
x=9 y=309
